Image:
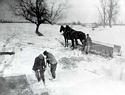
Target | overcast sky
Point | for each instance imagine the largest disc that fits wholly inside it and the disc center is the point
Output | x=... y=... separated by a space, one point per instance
x=86 y=10
x=78 y=10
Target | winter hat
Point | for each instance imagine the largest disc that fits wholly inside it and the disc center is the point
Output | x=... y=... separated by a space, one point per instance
x=41 y=56
x=45 y=52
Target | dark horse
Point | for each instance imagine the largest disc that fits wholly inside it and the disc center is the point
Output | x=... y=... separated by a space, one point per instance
x=76 y=35
x=66 y=35
x=71 y=34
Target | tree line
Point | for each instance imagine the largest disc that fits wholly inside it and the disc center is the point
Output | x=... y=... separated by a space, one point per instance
x=108 y=12
x=50 y=11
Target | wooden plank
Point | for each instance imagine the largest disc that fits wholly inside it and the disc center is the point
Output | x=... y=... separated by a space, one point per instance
x=7 y=53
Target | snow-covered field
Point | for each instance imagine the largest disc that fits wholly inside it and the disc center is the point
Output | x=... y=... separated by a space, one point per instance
x=88 y=74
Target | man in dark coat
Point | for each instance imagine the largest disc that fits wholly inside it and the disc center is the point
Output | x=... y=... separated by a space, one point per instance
x=52 y=63
x=39 y=67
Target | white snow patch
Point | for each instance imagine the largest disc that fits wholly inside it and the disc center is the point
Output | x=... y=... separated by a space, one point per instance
x=94 y=75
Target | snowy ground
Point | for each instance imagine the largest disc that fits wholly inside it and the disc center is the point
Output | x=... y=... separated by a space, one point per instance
x=89 y=74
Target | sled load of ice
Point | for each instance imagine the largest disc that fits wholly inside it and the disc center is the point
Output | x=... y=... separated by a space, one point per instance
x=105 y=49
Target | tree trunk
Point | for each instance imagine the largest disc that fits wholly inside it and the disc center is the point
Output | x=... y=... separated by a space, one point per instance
x=110 y=23
x=104 y=22
x=37 y=30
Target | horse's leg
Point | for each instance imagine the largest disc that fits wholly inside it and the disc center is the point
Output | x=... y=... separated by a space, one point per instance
x=67 y=42
x=72 y=43
x=83 y=43
x=76 y=41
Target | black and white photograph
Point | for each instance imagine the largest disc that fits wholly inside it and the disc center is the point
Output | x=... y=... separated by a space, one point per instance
x=62 y=47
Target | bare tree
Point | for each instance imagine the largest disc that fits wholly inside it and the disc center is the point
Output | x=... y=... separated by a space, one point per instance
x=103 y=12
x=37 y=12
x=113 y=10
x=56 y=8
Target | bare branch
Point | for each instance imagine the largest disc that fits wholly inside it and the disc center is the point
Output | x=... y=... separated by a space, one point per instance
x=56 y=10
x=113 y=9
x=103 y=12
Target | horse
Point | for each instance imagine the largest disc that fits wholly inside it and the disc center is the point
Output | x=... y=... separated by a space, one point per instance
x=65 y=35
x=71 y=34
x=76 y=35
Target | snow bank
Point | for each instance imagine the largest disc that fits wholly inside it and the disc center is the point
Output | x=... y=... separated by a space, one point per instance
x=115 y=69
x=92 y=75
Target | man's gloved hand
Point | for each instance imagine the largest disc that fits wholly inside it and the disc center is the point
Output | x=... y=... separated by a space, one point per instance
x=47 y=61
